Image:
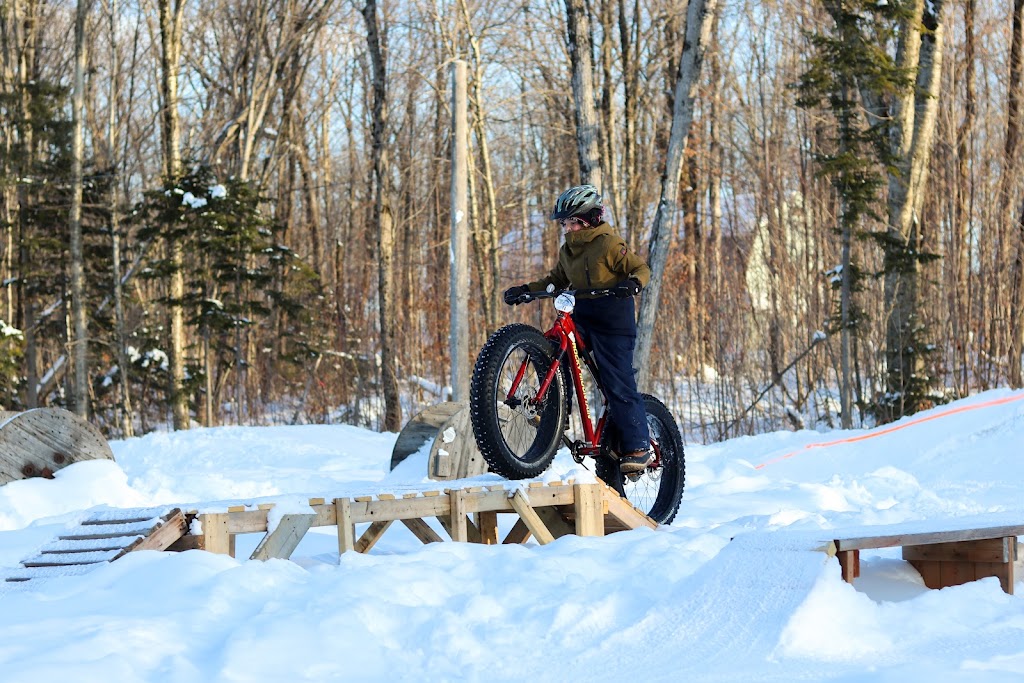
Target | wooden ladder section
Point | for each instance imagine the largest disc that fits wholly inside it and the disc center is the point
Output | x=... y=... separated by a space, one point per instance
x=102 y=538
x=545 y=512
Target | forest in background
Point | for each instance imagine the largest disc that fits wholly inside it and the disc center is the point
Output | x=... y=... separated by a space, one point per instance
x=208 y=209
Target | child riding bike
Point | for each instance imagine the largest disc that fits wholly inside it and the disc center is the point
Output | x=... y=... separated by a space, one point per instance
x=594 y=256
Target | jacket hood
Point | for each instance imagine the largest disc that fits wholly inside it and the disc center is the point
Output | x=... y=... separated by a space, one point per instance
x=580 y=238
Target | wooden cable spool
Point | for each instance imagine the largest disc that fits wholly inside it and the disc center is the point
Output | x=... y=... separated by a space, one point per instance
x=38 y=442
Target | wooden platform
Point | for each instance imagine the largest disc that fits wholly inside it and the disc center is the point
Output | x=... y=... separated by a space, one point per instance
x=99 y=539
x=943 y=558
x=545 y=512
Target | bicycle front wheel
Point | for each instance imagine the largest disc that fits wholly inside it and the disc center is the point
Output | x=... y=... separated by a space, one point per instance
x=657 y=490
x=517 y=432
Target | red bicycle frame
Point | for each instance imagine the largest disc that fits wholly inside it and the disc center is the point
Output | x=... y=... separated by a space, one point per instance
x=566 y=336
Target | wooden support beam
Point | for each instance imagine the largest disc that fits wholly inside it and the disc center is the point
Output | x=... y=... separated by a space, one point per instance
x=520 y=533
x=487 y=522
x=162 y=537
x=372 y=535
x=589 y=510
x=555 y=521
x=346 y=527
x=422 y=531
x=282 y=541
x=849 y=561
x=533 y=522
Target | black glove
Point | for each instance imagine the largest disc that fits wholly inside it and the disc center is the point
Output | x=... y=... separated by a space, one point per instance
x=627 y=288
x=513 y=294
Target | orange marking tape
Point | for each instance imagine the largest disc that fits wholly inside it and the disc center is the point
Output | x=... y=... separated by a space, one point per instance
x=894 y=428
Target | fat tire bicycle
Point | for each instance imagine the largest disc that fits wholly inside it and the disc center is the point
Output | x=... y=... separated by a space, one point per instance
x=520 y=400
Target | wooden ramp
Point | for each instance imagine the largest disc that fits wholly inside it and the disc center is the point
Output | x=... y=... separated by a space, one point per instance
x=545 y=512
x=101 y=538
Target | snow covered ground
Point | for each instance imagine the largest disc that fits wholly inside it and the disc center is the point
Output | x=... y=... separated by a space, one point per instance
x=730 y=592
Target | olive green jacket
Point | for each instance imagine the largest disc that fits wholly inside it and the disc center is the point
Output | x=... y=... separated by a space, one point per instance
x=594 y=258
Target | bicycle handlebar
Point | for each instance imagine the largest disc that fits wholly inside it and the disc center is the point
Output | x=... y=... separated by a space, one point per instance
x=533 y=296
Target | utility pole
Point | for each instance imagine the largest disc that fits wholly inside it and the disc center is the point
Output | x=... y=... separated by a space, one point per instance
x=459 y=299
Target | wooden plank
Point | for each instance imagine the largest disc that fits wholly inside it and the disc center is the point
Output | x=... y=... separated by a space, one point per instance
x=406 y=508
x=530 y=518
x=589 y=509
x=472 y=533
x=282 y=541
x=422 y=530
x=955 y=573
x=555 y=522
x=925 y=538
x=162 y=536
x=985 y=550
x=929 y=571
x=346 y=527
x=247 y=521
x=187 y=542
x=624 y=512
x=372 y=535
x=487 y=522
x=519 y=533
x=216 y=538
x=849 y=561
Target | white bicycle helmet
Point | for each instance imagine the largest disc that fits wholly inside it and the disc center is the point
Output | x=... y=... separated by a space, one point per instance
x=576 y=201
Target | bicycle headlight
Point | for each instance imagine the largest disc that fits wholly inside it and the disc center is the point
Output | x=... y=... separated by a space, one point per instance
x=565 y=302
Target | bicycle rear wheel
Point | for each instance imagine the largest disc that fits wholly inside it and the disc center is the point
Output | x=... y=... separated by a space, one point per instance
x=517 y=434
x=657 y=490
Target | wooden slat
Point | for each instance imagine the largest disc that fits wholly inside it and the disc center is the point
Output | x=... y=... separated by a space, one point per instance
x=530 y=518
x=282 y=541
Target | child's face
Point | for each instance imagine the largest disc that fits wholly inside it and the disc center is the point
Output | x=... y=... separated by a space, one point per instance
x=572 y=224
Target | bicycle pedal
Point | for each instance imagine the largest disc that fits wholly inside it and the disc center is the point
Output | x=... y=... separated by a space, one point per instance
x=635 y=476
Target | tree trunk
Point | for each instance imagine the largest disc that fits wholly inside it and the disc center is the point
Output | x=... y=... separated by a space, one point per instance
x=916 y=115
x=700 y=15
x=580 y=54
x=80 y=343
x=1013 y=234
x=170 y=44
x=384 y=220
x=962 y=307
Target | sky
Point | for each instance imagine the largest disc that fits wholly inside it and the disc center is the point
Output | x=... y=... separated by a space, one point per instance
x=733 y=590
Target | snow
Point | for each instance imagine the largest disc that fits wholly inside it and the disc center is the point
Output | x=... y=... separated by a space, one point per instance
x=734 y=590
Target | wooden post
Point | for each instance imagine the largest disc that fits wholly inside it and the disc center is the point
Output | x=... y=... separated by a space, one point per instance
x=346 y=529
x=458 y=253
x=216 y=538
x=459 y=524
x=589 y=510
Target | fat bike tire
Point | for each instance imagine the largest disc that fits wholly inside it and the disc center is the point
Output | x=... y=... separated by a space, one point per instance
x=658 y=490
x=517 y=435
